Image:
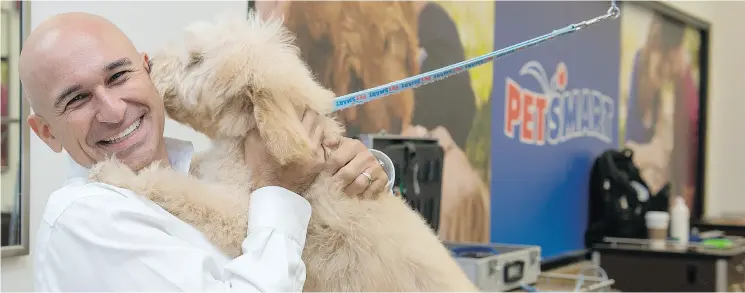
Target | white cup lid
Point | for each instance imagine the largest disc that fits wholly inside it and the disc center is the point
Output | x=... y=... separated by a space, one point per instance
x=657 y=219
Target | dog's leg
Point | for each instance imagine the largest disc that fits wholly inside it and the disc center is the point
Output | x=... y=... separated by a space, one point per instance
x=216 y=210
x=374 y=245
x=113 y=172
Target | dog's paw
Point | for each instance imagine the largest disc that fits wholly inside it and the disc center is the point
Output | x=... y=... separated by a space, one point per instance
x=113 y=172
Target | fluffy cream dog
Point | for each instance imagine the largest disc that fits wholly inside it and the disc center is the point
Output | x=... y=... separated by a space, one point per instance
x=233 y=76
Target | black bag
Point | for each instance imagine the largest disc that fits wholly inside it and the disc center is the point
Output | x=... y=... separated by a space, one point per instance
x=619 y=198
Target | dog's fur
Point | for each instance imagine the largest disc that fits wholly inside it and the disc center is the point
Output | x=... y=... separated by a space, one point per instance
x=233 y=76
x=355 y=45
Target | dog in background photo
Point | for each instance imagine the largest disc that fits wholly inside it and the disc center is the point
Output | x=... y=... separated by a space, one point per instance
x=356 y=45
x=233 y=76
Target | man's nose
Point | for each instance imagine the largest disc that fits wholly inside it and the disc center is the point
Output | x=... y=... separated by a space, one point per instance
x=111 y=108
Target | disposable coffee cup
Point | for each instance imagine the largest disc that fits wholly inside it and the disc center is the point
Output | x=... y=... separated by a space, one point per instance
x=657 y=224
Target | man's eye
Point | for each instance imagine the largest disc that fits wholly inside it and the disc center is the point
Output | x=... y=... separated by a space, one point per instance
x=77 y=98
x=117 y=75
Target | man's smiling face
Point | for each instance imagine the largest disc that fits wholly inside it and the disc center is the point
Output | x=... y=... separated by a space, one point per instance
x=92 y=94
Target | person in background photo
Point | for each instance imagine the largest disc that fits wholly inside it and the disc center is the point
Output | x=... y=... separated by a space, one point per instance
x=650 y=121
x=445 y=110
x=685 y=147
x=451 y=102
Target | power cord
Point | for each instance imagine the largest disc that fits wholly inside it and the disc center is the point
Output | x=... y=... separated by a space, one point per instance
x=581 y=274
x=580 y=280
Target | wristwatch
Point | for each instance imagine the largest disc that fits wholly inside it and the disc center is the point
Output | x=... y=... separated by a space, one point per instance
x=387 y=165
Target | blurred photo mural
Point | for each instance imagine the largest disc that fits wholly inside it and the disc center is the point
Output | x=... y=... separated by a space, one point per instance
x=520 y=134
x=660 y=99
x=351 y=46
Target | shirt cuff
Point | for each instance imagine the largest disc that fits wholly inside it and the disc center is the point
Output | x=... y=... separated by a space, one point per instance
x=387 y=164
x=279 y=209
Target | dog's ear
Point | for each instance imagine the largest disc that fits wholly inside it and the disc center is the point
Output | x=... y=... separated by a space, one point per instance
x=285 y=139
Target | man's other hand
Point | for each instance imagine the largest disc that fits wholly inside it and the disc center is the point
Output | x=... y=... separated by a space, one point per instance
x=296 y=177
x=351 y=163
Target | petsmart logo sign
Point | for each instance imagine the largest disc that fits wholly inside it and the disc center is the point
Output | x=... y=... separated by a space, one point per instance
x=556 y=114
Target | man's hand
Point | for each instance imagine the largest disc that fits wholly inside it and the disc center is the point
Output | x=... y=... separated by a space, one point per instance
x=295 y=177
x=350 y=163
x=443 y=138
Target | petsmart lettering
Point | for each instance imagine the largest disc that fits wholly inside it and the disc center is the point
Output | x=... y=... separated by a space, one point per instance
x=380 y=92
x=412 y=83
x=555 y=115
x=442 y=74
x=350 y=100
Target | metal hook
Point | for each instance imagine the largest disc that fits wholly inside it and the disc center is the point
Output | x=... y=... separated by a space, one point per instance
x=614 y=11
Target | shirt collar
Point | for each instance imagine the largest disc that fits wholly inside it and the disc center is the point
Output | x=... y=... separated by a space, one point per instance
x=179 y=155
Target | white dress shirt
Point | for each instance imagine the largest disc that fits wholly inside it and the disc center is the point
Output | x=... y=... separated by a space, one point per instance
x=97 y=237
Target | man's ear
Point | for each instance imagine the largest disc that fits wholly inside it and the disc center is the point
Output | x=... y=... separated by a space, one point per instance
x=41 y=128
x=147 y=63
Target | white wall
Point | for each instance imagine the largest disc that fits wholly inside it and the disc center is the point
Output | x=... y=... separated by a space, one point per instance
x=726 y=104
x=148 y=23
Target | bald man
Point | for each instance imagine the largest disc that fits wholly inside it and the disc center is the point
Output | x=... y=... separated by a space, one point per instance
x=92 y=96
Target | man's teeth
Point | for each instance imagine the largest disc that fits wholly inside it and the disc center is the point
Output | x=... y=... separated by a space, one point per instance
x=121 y=135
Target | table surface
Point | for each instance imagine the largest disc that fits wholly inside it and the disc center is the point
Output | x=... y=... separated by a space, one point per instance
x=671 y=250
x=545 y=284
x=723 y=221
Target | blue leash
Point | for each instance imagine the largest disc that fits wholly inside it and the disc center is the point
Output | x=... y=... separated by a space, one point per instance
x=364 y=96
